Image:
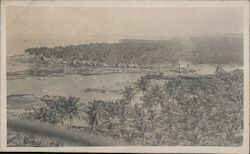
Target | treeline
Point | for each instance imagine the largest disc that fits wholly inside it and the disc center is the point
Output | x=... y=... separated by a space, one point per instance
x=203 y=50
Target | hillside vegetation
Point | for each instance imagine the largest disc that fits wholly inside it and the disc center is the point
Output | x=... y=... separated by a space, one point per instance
x=200 y=50
x=203 y=110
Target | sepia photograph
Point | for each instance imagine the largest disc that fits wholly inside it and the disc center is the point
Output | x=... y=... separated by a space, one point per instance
x=125 y=76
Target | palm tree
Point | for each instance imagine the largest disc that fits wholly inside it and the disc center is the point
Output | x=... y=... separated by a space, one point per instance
x=142 y=84
x=95 y=111
x=128 y=94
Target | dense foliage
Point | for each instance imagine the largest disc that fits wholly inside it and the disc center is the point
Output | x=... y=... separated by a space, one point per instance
x=184 y=110
x=57 y=109
x=205 y=50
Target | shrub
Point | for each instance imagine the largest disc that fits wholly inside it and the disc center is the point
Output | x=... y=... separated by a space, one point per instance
x=57 y=109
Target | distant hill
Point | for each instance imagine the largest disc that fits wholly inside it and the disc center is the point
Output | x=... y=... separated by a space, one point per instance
x=226 y=49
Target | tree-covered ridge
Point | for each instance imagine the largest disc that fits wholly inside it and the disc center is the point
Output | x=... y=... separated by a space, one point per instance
x=200 y=50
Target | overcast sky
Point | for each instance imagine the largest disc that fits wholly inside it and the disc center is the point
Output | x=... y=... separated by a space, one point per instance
x=50 y=26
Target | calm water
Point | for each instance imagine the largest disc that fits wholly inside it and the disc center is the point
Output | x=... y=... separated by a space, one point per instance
x=73 y=85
